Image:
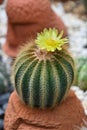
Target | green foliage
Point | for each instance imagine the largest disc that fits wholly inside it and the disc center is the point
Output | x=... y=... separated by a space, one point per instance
x=4 y=78
x=42 y=79
x=85 y=4
x=82 y=73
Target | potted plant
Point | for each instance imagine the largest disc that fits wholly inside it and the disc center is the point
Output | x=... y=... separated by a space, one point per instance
x=42 y=75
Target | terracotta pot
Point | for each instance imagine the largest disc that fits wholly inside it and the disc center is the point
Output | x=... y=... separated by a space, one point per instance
x=25 y=19
x=63 y=117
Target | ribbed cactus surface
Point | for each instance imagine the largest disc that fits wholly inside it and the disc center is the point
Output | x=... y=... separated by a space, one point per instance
x=42 y=79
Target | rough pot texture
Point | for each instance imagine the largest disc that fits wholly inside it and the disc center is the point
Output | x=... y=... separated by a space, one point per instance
x=25 y=19
x=63 y=117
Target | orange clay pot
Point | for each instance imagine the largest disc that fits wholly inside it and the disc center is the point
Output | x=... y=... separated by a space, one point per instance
x=62 y=117
x=25 y=19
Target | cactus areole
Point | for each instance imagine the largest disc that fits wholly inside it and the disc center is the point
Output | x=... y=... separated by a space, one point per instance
x=43 y=72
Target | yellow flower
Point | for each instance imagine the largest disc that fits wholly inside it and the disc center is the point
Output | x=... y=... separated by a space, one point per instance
x=50 y=40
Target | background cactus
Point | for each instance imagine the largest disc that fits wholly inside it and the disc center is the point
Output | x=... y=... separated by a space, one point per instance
x=43 y=78
x=82 y=73
x=5 y=82
x=85 y=4
x=4 y=78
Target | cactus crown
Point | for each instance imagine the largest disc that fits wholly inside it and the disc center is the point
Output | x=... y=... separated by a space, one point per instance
x=50 y=40
x=42 y=74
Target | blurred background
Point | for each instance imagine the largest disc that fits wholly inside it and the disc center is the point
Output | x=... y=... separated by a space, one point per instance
x=74 y=16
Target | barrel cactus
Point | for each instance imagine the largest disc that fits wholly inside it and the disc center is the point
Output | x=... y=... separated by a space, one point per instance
x=82 y=73
x=43 y=72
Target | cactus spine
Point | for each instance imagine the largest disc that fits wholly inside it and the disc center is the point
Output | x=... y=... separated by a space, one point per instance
x=41 y=78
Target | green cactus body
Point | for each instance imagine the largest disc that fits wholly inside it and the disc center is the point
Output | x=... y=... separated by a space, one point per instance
x=82 y=73
x=42 y=79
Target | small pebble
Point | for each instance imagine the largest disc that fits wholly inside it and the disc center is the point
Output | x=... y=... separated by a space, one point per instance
x=81 y=97
x=86 y=113
x=75 y=88
x=79 y=93
x=85 y=93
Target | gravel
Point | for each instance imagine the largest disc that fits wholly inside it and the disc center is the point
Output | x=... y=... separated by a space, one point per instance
x=77 y=31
